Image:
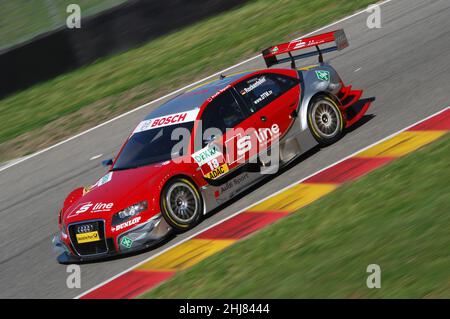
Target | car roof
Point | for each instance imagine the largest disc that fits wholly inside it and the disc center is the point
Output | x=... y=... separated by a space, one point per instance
x=194 y=98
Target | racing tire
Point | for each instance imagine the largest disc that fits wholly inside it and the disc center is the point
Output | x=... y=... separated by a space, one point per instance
x=181 y=204
x=325 y=120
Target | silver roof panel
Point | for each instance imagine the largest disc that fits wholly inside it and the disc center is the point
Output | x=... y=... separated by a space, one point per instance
x=193 y=99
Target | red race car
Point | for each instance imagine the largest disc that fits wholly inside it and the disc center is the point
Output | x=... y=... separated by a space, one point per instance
x=205 y=146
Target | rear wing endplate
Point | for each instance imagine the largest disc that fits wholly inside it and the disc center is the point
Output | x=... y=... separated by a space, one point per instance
x=338 y=37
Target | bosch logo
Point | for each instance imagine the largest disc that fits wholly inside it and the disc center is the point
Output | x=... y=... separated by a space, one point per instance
x=81 y=229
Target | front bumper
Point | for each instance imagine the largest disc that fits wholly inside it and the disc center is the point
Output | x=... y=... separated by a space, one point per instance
x=141 y=237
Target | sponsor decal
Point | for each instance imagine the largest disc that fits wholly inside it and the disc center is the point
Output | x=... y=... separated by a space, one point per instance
x=212 y=97
x=253 y=86
x=167 y=120
x=206 y=154
x=102 y=207
x=301 y=44
x=126 y=242
x=274 y=50
x=263 y=96
x=231 y=188
x=323 y=75
x=126 y=224
x=235 y=182
x=268 y=133
x=88 y=237
x=217 y=172
x=244 y=144
x=105 y=179
x=83 y=209
x=91 y=207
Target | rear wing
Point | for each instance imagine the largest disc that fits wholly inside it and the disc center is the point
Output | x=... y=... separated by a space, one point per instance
x=337 y=37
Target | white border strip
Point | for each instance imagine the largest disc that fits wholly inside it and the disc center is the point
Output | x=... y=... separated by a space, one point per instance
x=257 y=202
x=23 y=159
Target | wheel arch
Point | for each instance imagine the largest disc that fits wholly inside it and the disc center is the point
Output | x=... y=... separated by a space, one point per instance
x=191 y=180
x=325 y=141
x=307 y=104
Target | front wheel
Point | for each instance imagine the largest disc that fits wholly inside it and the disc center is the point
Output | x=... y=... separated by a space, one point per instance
x=325 y=120
x=181 y=204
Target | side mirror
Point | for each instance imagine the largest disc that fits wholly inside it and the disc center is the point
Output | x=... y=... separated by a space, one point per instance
x=107 y=162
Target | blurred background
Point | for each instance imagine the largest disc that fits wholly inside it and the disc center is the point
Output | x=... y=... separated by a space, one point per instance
x=21 y=20
x=56 y=80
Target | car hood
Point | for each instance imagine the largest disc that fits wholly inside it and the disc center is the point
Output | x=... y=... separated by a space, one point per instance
x=113 y=192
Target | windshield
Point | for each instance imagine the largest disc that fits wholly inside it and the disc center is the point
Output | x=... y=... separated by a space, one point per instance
x=153 y=146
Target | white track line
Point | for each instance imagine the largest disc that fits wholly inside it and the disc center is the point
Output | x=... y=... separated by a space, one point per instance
x=256 y=203
x=95 y=157
x=21 y=160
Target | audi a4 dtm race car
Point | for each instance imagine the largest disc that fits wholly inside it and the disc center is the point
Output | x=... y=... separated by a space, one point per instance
x=205 y=146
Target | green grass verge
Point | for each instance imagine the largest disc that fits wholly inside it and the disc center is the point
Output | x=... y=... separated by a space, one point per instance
x=165 y=63
x=20 y=20
x=396 y=217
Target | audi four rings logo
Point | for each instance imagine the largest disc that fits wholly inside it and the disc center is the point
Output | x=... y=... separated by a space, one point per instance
x=85 y=228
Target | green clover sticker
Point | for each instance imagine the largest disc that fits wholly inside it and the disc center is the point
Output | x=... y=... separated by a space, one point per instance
x=323 y=75
x=126 y=242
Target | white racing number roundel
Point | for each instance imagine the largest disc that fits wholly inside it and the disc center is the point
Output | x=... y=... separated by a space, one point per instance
x=211 y=162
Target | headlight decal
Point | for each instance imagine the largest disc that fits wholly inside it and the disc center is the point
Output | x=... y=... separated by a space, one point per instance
x=128 y=213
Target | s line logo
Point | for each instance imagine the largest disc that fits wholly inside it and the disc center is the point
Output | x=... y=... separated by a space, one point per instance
x=83 y=208
x=244 y=144
x=89 y=206
x=237 y=147
x=250 y=143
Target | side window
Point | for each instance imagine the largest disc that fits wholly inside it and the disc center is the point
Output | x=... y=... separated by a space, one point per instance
x=222 y=113
x=260 y=90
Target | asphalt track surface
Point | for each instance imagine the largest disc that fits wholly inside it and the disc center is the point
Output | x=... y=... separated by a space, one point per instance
x=404 y=65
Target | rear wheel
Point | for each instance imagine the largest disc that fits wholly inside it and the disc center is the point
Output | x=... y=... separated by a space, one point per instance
x=325 y=120
x=181 y=204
